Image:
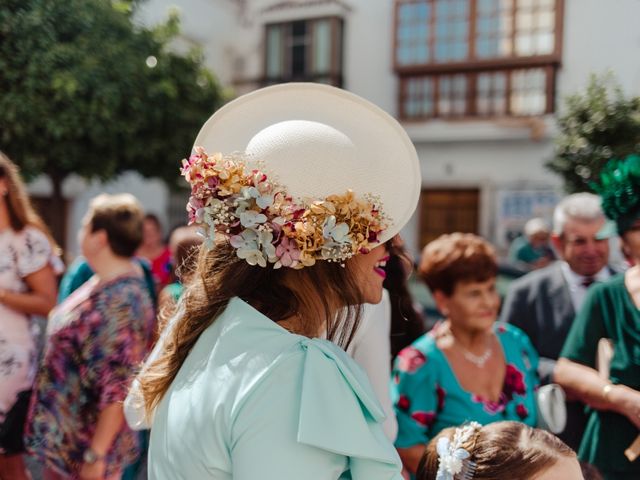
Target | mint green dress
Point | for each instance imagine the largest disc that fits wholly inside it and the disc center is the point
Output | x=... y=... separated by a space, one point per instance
x=253 y=401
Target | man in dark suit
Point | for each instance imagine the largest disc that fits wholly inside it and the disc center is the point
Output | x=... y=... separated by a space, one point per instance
x=544 y=302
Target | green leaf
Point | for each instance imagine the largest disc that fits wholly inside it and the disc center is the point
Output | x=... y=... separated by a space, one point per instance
x=76 y=95
x=596 y=125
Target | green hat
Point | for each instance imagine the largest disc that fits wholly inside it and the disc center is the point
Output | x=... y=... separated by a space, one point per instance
x=619 y=188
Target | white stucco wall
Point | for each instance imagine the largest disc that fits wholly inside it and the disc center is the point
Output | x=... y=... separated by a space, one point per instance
x=368 y=57
x=209 y=24
x=232 y=38
x=598 y=35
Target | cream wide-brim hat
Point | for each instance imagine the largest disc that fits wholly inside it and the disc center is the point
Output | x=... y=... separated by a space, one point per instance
x=316 y=140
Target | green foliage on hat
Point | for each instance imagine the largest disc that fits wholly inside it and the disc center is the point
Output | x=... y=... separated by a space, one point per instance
x=597 y=125
x=619 y=187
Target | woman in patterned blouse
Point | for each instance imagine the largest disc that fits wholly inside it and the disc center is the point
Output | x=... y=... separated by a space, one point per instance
x=27 y=288
x=468 y=368
x=95 y=340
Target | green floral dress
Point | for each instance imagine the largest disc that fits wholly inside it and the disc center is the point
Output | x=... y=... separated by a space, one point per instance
x=427 y=397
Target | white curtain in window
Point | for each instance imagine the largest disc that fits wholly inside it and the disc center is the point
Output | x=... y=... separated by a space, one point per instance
x=274 y=52
x=322 y=46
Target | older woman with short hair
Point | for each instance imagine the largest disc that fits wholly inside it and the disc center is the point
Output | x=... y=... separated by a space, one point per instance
x=95 y=340
x=468 y=367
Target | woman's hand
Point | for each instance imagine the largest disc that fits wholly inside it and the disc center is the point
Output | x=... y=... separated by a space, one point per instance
x=626 y=401
x=93 y=471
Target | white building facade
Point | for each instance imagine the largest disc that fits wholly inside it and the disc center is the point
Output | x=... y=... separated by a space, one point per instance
x=476 y=83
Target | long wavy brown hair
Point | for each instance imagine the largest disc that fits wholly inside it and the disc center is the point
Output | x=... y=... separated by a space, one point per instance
x=324 y=298
x=407 y=324
x=19 y=207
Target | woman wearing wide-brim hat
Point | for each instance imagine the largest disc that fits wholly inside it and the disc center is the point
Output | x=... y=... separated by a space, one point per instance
x=298 y=186
x=610 y=311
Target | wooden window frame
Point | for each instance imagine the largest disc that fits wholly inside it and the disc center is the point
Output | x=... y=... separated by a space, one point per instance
x=334 y=76
x=472 y=66
x=471 y=94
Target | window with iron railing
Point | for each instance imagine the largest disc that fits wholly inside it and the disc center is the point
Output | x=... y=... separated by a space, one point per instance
x=304 y=50
x=477 y=58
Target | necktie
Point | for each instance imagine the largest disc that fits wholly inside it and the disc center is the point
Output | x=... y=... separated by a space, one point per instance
x=588 y=281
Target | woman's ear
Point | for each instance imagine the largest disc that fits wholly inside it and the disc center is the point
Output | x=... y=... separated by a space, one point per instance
x=101 y=238
x=4 y=187
x=442 y=302
x=626 y=251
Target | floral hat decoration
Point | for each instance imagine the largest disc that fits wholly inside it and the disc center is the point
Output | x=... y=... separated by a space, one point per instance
x=619 y=188
x=297 y=173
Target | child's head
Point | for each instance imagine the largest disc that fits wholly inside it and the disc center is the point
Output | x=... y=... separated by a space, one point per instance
x=184 y=244
x=501 y=450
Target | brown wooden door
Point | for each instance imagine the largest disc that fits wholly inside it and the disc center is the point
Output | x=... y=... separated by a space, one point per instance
x=447 y=211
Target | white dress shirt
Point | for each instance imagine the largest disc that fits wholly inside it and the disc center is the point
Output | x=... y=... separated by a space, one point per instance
x=576 y=288
x=371 y=349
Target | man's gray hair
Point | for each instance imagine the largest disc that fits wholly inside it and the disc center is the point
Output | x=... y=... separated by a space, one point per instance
x=583 y=206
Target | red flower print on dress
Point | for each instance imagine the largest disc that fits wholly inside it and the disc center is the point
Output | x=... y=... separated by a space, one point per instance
x=441 y=393
x=490 y=406
x=410 y=359
x=522 y=411
x=403 y=403
x=513 y=382
x=513 y=385
x=424 y=419
x=501 y=329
